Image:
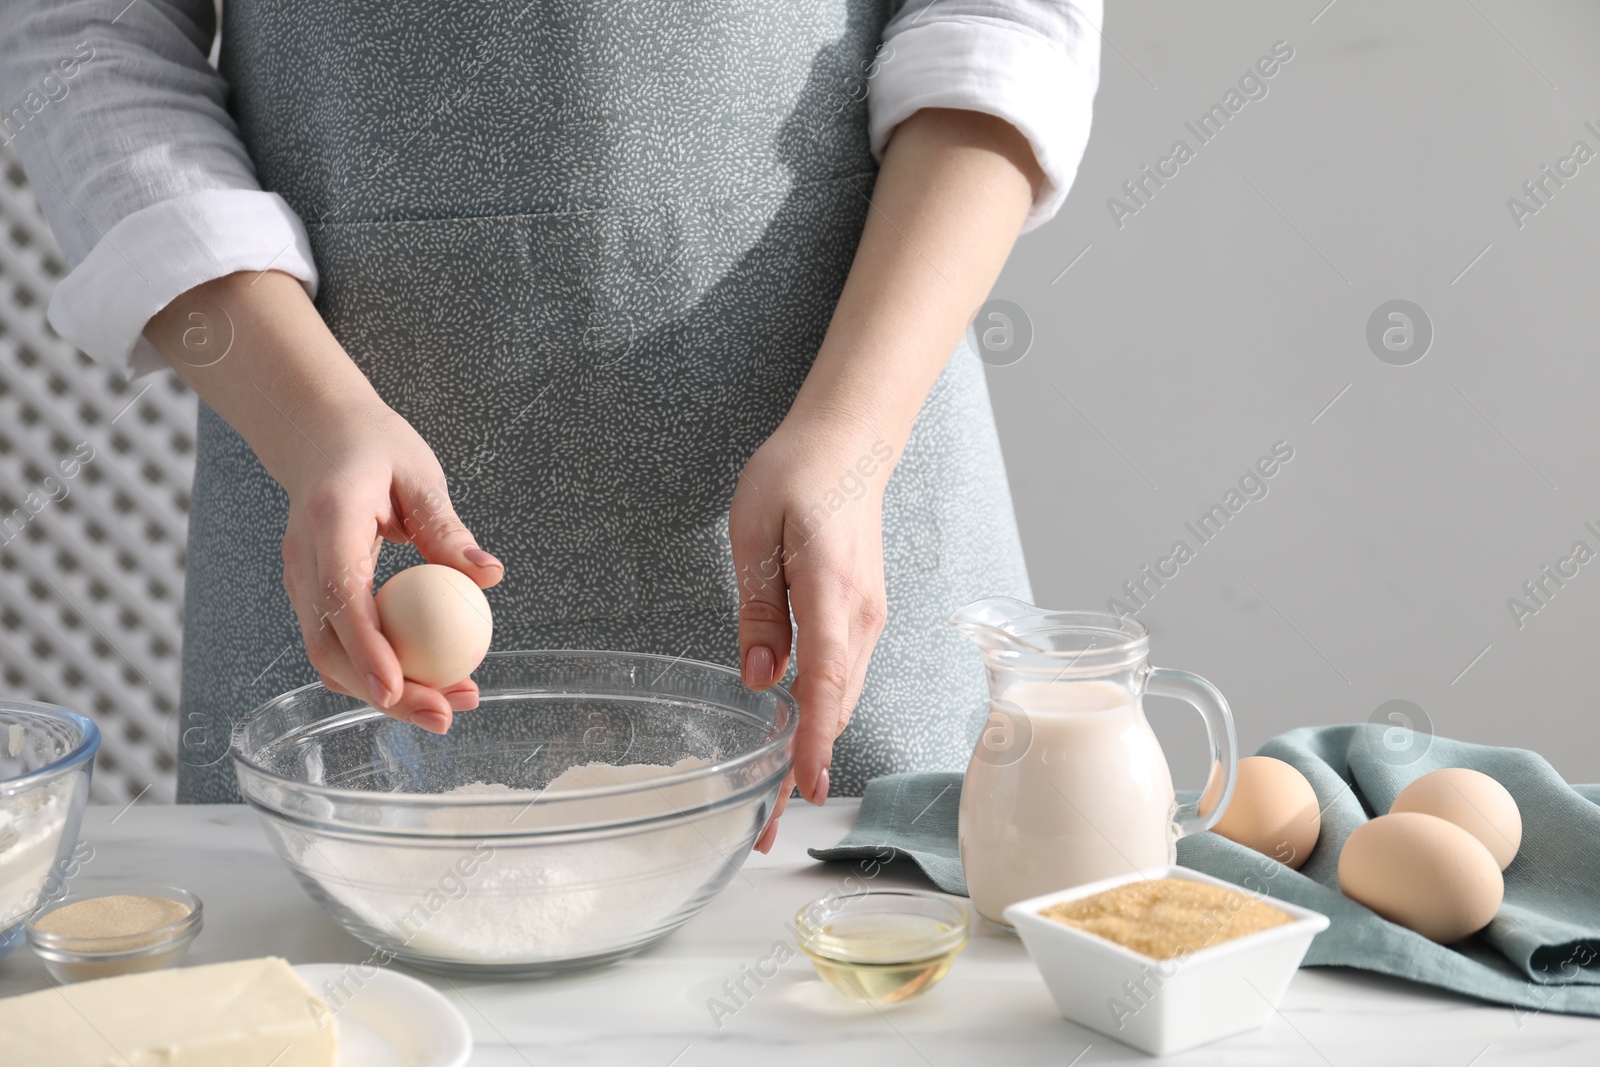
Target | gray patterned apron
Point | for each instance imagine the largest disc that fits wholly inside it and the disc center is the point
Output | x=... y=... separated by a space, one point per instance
x=589 y=249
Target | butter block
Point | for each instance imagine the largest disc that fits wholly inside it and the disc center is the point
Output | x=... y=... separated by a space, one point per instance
x=249 y=1013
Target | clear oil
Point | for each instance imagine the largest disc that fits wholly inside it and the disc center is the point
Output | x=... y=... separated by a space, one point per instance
x=882 y=958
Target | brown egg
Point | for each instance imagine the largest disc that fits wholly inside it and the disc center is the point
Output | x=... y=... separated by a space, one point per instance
x=1473 y=801
x=1274 y=810
x=438 y=621
x=1425 y=873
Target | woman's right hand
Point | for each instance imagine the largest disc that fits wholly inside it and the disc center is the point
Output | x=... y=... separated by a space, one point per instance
x=370 y=478
x=257 y=351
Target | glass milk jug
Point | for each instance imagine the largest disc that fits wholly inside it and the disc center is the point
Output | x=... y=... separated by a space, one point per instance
x=1068 y=784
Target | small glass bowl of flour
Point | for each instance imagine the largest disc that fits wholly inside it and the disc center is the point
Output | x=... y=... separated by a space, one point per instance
x=591 y=804
x=46 y=758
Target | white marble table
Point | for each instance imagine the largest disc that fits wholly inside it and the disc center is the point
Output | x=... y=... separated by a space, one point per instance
x=652 y=1010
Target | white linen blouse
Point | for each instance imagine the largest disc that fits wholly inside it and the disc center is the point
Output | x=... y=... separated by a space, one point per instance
x=150 y=192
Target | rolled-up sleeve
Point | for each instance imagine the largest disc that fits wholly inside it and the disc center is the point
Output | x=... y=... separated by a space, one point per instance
x=1034 y=63
x=122 y=126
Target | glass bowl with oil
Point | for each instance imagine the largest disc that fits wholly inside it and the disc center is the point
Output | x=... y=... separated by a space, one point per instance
x=883 y=946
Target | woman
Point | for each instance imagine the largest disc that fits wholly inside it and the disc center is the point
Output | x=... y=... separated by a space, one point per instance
x=617 y=288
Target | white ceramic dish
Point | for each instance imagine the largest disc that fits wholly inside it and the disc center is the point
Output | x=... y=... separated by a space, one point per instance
x=391 y=1020
x=1164 y=1006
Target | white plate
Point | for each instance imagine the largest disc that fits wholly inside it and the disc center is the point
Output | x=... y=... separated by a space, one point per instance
x=391 y=1020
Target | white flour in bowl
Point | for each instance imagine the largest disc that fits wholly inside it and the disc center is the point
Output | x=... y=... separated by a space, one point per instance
x=475 y=901
x=31 y=825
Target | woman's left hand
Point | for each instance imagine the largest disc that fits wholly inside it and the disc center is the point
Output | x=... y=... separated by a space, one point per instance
x=807 y=532
x=953 y=191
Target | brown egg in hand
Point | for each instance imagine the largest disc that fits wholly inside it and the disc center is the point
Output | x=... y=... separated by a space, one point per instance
x=438 y=621
x=1274 y=810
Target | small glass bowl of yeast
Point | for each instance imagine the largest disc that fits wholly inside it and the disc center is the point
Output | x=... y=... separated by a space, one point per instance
x=884 y=946
x=121 y=930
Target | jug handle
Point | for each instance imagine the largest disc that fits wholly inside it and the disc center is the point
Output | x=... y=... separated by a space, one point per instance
x=1213 y=708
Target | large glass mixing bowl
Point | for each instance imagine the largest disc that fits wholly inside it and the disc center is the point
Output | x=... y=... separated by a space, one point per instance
x=590 y=805
x=46 y=758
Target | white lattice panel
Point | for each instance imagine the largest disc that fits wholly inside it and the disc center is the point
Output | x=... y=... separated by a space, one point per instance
x=91 y=552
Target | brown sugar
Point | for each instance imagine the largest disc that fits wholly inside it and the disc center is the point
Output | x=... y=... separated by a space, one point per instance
x=1167 y=917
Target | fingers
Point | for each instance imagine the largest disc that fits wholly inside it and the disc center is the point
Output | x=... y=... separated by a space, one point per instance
x=343 y=562
x=768 y=836
x=822 y=612
x=322 y=647
x=426 y=708
x=769 y=833
x=419 y=705
x=764 y=633
x=463 y=696
x=869 y=617
x=428 y=521
x=319 y=617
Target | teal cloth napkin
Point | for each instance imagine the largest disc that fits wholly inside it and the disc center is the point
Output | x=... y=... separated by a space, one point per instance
x=1542 y=951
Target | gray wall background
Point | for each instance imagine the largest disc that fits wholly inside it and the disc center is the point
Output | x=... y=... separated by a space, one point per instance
x=1232 y=309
